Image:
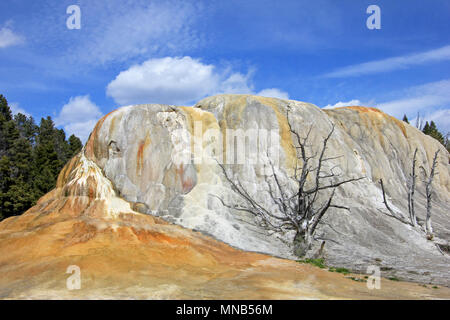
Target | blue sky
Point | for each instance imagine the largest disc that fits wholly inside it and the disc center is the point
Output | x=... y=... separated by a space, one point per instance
x=178 y=52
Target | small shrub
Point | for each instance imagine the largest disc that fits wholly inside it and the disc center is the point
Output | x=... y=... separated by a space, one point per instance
x=339 y=270
x=393 y=279
x=315 y=262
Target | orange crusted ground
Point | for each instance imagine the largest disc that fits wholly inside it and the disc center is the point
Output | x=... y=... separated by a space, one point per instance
x=142 y=257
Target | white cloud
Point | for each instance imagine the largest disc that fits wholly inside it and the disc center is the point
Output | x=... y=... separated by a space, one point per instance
x=122 y=31
x=166 y=80
x=391 y=64
x=8 y=38
x=235 y=83
x=441 y=117
x=353 y=102
x=15 y=109
x=430 y=100
x=419 y=99
x=79 y=116
x=179 y=81
x=274 y=93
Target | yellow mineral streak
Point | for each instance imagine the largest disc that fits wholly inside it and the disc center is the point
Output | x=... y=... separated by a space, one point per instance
x=197 y=116
x=285 y=133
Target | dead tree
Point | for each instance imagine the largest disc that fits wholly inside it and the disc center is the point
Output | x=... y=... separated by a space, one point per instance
x=299 y=208
x=391 y=212
x=411 y=189
x=384 y=199
x=419 y=122
x=428 y=188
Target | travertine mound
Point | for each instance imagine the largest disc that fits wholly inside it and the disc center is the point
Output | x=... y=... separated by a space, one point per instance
x=139 y=163
x=123 y=254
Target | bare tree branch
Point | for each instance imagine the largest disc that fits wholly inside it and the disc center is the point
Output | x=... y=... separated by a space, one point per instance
x=428 y=189
x=411 y=190
x=297 y=209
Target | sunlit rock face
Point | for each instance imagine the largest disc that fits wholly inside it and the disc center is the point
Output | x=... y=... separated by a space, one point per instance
x=162 y=159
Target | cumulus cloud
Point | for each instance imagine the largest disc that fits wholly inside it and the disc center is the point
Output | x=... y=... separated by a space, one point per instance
x=15 y=109
x=390 y=64
x=179 y=81
x=8 y=38
x=166 y=80
x=353 y=102
x=274 y=93
x=235 y=83
x=79 y=116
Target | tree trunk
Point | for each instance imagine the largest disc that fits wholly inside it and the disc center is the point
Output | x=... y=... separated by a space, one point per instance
x=428 y=188
x=302 y=243
x=428 y=227
x=412 y=187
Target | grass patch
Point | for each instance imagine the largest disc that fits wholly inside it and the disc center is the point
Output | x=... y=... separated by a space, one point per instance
x=394 y=279
x=435 y=287
x=339 y=270
x=315 y=262
x=321 y=264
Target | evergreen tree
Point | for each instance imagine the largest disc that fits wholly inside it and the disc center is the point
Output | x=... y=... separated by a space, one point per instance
x=47 y=164
x=7 y=127
x=431 y=130
x=5 y=183
x=4 y=108
x=405 y=118
x=426 y=128
x=27 y=128
x=75 y=145
x=31 y=158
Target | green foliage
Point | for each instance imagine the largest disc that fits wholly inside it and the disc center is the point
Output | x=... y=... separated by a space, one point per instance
x=405 y=118
x=431 y=130
x=321 y=264
x=339 y=270
x=75 y=144
x=394 y=279
x=31 y=158
x=315 y=262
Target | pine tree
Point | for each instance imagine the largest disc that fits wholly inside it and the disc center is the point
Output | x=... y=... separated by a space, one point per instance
x=431 y=130
x=405 y=118
x=426 y=128
x=75 y=145
x=5 y=183
x=434 y=132
x=47 y=164
x=31 y=158
x=27 y=128
x=7 y=127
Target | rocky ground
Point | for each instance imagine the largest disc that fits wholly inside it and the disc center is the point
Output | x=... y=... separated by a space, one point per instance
x=137 y=256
